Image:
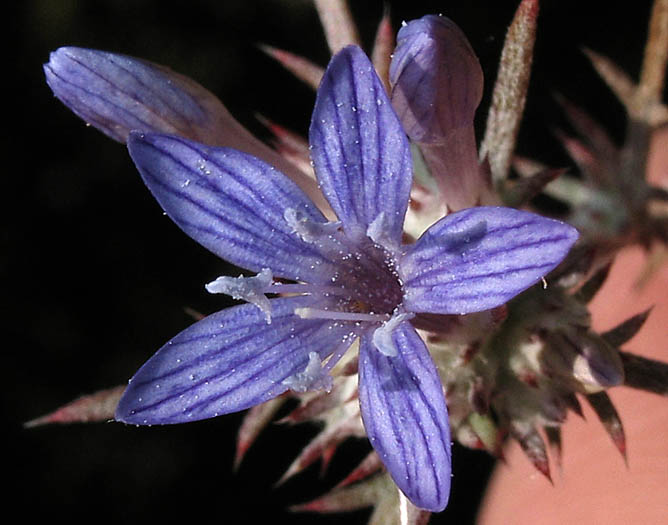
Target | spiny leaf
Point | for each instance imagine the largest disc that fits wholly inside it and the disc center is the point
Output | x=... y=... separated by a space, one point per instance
x=301 y=67
x=358 y=496
x=645 y=374
x=653 y=72
x=553 y=435
x=369 y=465
x=590 y=288
x=592 y=132
x=255 y=420
x=533 y=446
x=527 y=188
x=510 y=90
x=383 y=46
x=608 y=415
x=99 y=406
x=340 y=30
x=616 y=79
x=626 y=330
x=330 y=437
x=488 y=433
x=290 y=145
x=572 y=401
x=582 y=155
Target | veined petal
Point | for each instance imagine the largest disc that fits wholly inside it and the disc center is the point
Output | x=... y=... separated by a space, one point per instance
x=405 y=416
x=226 y=362
x=360 y=152
x=231 y=203
x=480 y=258
x=117 y=93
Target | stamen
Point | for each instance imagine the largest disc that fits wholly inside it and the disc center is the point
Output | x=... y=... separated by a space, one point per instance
x=251 y=289
x=309 y=231
x=304 y=288
x=382 y=337
x=312 y=378
x=316 y=313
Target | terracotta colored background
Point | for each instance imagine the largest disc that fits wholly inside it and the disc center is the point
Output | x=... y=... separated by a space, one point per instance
x=594 y=485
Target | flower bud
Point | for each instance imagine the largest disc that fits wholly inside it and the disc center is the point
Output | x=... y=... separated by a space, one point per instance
x=436 y=79
x=436 y=87
x=585 y=359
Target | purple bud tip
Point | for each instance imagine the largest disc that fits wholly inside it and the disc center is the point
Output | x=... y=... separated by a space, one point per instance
x=436 y=79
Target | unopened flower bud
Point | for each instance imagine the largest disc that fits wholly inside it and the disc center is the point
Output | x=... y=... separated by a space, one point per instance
x=436 y=79
x=436 y=87
x=587 y=360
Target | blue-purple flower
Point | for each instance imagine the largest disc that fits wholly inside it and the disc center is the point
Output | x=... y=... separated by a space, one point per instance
x=340 y=281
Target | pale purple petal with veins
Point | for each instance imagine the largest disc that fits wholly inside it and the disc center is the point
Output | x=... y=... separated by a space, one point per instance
x=117 y=94
x=480 y=258
x=405 y=416
x=360 y=152
x=226 y=362
x=231 y=203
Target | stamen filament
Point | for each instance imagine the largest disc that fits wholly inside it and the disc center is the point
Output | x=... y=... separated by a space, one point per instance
x=305 y=288
x=316 y=313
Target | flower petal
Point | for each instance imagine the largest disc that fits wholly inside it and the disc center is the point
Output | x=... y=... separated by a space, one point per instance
x=117 y=93
x=226 y=362
x=231 y=203
x=405 y=416
x=480 y=258
x=360 y=152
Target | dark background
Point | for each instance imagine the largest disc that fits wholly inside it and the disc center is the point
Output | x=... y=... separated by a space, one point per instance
x=95 y=279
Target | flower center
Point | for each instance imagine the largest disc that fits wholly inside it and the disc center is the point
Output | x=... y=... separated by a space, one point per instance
x=364 y=289
x=365 y=281
x=365 y=286
x=368 y=274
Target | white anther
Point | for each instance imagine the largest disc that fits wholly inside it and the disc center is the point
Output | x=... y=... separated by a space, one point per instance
x=312 y=378
x=251 y=289
x=382 y=337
